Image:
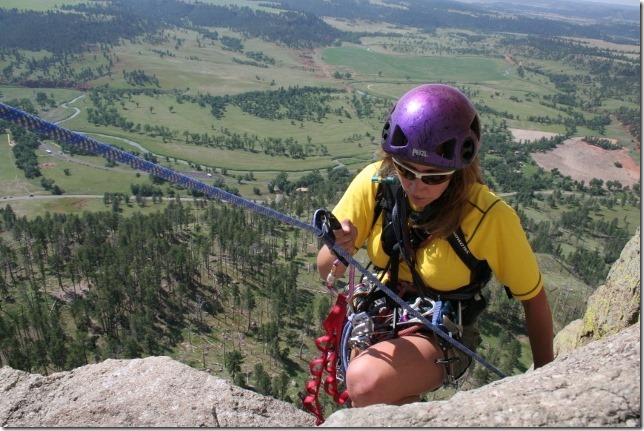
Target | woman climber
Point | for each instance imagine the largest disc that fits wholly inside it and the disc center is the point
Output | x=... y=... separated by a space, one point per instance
x=406 y=209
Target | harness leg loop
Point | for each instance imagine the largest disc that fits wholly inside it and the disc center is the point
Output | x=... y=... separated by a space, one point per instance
x=449 y=380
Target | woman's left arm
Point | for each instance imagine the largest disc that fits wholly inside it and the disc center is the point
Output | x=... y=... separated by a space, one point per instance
x=540 y=329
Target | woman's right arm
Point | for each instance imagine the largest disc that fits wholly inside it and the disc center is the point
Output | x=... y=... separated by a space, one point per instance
x=355 y=211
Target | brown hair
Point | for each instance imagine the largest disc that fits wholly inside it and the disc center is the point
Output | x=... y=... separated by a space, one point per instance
x=453 y=201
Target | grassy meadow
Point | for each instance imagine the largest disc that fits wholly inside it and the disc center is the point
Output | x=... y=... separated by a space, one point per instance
x=366 y=64
x=381 y=66
x=208 y=67
x=189 y=117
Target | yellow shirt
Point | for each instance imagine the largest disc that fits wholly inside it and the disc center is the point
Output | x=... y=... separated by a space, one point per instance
x=492 y=230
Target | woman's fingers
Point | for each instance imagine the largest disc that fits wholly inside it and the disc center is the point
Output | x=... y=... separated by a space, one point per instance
x=346 y=237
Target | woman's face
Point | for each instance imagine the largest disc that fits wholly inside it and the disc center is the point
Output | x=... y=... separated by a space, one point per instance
x=419 y=193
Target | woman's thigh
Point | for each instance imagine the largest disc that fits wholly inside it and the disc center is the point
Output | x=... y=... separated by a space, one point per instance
x=391 y=371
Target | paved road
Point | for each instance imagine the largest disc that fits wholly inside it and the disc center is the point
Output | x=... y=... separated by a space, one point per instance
x=57 y=154
x=41 y=197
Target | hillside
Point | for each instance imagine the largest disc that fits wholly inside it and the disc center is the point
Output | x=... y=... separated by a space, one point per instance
x=575 y=390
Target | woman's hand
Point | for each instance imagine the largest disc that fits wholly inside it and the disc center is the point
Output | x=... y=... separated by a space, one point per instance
x=345 y=238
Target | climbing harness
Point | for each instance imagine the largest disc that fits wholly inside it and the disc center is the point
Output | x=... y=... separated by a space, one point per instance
x=402 y=235
x=328 y=345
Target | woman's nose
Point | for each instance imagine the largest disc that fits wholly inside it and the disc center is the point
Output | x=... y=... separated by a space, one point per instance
x=412 y=185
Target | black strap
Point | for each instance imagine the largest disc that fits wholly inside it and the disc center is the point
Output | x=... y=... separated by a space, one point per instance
x=384 y=199
x=479 y=269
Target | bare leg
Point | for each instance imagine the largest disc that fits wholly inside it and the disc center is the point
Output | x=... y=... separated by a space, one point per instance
x=395 y=371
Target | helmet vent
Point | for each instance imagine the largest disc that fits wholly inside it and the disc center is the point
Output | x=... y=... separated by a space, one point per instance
x=476 y=127
x=446 y=149
x=398 y=139
x=467 y=150
x=385 y=131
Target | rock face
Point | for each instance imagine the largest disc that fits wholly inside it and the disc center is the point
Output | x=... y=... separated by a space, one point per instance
x=597 y=384
x=613 y=307
x=151 y=392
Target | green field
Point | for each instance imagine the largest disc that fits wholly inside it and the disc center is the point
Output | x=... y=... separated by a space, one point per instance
x=329 y=132
x=367 y=64
x=209 y=68
x=39 y=5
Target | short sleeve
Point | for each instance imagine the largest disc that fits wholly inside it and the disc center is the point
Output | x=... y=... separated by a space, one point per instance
x=358 y=203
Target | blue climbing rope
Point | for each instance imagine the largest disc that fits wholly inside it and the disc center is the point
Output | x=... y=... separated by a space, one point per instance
x=58 y=133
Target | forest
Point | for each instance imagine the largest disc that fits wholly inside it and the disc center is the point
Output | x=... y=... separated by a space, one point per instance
x=300 y=27
x=111 y=300
x=161 y=270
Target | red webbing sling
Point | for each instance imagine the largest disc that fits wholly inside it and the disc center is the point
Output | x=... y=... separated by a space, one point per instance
x=329 y=345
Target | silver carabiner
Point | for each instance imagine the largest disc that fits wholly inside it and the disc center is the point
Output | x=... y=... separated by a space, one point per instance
x=362 y=331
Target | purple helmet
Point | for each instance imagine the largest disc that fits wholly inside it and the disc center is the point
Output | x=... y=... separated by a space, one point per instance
x=435 y=125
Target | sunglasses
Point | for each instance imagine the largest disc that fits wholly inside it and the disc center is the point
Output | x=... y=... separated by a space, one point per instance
x=427 y=178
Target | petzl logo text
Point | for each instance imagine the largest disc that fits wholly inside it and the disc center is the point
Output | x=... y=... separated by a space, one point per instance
x=421 y=153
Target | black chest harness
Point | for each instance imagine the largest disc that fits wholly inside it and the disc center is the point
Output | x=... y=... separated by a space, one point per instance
x=399 y=241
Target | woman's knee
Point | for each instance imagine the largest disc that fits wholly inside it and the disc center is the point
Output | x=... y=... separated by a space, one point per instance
x=363 y=383
x=377 y=376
